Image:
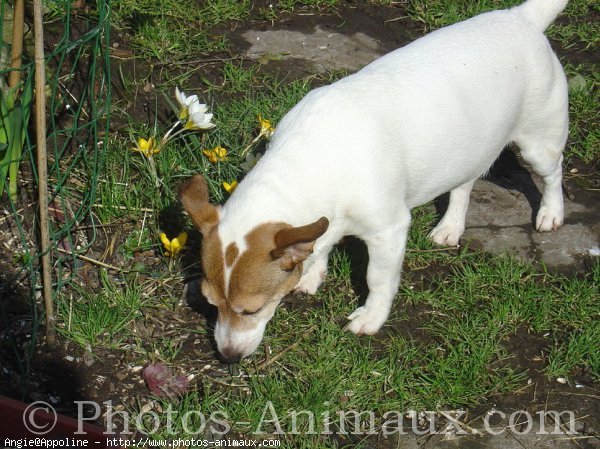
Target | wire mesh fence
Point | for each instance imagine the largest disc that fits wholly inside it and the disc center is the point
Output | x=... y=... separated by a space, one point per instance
x=78 y=95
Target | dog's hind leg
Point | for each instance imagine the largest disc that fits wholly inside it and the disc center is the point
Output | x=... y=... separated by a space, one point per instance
x=542 y=139
x=545 y=158
x=386 y=253
x=541 y=136
x=452 y=225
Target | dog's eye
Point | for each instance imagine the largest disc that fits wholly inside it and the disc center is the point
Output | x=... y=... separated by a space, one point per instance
x=251 y=312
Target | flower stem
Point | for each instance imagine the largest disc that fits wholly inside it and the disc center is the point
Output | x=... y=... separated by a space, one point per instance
x=166 y=138
x=153 y=171
x=256 y=139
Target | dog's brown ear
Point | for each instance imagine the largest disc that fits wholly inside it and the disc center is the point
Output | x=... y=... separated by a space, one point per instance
x=294 y=245
x=194 y=197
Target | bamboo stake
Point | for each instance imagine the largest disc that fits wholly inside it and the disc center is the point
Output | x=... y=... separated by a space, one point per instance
x=42 y=166
x=16 y=52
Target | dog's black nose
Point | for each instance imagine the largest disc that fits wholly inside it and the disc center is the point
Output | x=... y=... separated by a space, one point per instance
x=230 y=358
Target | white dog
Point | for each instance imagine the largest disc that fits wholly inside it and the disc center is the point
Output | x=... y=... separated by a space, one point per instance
x=355 y=157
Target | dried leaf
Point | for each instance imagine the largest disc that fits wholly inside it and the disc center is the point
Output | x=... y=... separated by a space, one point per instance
x=163 y=382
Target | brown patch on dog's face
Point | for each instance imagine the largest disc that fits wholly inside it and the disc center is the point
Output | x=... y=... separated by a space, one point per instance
x=256 y=279
x=267 y=270
x=246 y=287
x=257 y=276
x=231 y=254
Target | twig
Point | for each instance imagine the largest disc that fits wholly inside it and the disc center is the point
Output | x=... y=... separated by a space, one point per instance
x=73 y=97
x=9 y=217
x=94 y=261
x=97 y=226
x=291 y=347
x=42 y=166
x=460 y=423
x=222 y=382
x=203 y=61
x=433 y=250
x=395 y=19
x=142 y=230
x=140 y=209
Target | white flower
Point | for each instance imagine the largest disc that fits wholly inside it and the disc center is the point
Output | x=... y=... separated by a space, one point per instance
x=251 y=161
x=199 y=118
x=192 y=112
x=183 y=100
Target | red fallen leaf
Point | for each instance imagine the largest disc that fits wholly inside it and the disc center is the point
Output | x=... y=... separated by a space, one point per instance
x=64 y=245
x=162 y=382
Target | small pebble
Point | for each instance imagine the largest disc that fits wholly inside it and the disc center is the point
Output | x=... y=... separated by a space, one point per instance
x=147 y=407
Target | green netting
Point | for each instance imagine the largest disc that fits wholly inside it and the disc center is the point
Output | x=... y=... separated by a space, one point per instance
x=78 y=96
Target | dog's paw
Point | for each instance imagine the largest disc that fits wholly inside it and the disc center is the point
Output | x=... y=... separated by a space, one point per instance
x=364 y=321
x=446 y=235
x=549 y=219
x=310 y=282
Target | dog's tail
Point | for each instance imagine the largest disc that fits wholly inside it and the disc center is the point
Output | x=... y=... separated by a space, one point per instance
x=542 y=12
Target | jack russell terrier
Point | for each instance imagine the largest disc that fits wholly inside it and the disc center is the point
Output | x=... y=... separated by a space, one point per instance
x=355 y=157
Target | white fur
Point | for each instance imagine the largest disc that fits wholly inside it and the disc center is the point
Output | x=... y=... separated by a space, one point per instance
x=423 y=120
x=243 y=343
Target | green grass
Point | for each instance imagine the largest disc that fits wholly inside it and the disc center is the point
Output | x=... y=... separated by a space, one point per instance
x=99 y=318
x=129 y=184
x=584 y=97
x=439 y=13
x=171 y=30
x=466 y=304
x=467 y=315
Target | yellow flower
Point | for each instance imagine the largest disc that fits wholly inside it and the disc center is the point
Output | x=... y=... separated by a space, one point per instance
x=173 y=247
x=215 y=155
x=266 y=129
x=229 y=188
x=147 y=147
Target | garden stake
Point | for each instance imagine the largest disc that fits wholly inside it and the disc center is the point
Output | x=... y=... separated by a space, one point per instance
x=16 y=52
x=42 y=166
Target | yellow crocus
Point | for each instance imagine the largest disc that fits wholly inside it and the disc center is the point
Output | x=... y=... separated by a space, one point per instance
x=173 y=247
x=215 y=155
x=147 y=147
x=229 y=188
x=266 y=129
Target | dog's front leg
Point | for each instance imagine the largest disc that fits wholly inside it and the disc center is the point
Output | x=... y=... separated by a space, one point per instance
x=386 y=253
x=314 y=274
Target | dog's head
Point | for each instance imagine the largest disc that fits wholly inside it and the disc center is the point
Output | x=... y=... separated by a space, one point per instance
x=246 y=280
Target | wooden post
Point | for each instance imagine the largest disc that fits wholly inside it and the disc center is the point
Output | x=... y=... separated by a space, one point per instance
x=42 y=166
